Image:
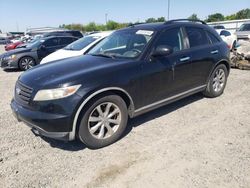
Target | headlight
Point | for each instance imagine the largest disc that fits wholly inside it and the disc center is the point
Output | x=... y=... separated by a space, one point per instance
x=58 y=93
x=9 y=57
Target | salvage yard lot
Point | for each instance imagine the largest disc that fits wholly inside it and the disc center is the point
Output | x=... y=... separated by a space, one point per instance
x=196 y=142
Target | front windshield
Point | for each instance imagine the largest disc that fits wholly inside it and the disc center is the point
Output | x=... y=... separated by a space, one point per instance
x=34 y=44
x=81 y=43
x=123 y=44
x=245 y=27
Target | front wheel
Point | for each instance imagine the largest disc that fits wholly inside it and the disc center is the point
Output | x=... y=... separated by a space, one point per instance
x=26 y=63
x=103 y=122
x=217 y=82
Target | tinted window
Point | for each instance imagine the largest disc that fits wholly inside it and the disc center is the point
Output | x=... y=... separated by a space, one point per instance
x=225 y=33
x=197 y=37
x=213 y=39
x=171 y=38
x=51 y=42
x=219 y=27
x=76 y=34
x=66 y=40
x=245 y=27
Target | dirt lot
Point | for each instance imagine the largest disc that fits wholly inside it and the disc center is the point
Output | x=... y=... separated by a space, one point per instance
x=196 y=142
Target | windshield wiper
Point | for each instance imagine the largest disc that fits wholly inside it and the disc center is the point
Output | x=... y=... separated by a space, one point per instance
x=104 y=55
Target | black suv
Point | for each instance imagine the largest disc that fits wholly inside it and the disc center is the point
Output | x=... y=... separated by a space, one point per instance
x=72 y=33
x=133 y=71
x=31 y=55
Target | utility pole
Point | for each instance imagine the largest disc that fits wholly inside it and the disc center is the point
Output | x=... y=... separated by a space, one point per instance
x=106 y=18
x=168 y=8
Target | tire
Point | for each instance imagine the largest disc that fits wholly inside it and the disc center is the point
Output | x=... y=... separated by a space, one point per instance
x=26 y=63
x=103 y=121
x=217 y=82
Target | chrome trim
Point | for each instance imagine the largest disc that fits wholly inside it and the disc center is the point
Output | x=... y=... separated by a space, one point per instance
x=214 y=52
x=185 y=59
x=169 y=98
x=73 y=132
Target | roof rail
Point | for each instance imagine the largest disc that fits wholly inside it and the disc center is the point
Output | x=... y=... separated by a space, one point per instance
x=134 y=24
x=188 y=20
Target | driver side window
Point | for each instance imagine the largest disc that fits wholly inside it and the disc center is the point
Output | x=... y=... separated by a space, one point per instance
x=171 y=38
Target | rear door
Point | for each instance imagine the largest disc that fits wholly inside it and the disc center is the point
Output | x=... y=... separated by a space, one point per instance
x=203 y=54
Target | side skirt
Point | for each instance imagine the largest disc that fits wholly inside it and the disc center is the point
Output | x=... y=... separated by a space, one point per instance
x=168 y=100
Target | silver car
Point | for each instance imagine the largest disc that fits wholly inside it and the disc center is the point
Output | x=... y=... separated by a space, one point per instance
x=244 y=32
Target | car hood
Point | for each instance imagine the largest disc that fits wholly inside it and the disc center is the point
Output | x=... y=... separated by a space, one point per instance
x=60 y=54
x=16 y=51
x=70 y=71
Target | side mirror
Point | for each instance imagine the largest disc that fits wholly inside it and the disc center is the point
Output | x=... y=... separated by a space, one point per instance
x=162 y=50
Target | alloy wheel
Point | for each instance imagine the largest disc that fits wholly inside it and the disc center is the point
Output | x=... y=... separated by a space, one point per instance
x=104 y=120
x=27 y=63
x=219 y=80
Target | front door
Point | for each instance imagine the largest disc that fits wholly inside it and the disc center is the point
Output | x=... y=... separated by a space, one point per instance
x=166 y=76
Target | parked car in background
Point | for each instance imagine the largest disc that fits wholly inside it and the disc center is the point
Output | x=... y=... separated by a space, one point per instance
x=73 y=33
x=133 y=71
x=79 y=47
x=12 y=46
x=228 y=37
x=4 y=40
x=243 y=33
x=219 y=27
x=33 y=53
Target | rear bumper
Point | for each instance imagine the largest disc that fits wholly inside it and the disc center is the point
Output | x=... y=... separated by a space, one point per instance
x=43 y=124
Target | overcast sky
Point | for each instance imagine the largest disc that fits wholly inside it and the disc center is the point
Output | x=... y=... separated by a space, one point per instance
x=19 y=15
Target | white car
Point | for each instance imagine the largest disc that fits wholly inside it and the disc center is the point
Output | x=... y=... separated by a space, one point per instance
x=77 y=48
x=229 y=38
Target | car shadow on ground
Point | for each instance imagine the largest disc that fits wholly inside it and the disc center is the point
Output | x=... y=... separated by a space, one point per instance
x=132 y=123
x=64 y=145
x=11 y=70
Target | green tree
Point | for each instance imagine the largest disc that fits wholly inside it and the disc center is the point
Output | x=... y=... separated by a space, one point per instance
x=112 y=25
x=161 y=19
x=243 y=14
x=215 y=17
x=193 y=17
x=151 y=20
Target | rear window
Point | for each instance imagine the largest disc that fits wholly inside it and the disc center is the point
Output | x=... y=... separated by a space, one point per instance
x=213 y=39
x=197 y=36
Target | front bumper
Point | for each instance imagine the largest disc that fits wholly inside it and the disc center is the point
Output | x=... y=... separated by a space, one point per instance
x=43 y=124
x=10 y=64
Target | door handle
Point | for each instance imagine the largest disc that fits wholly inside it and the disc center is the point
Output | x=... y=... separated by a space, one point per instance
x=184 y=59
x=214 y=52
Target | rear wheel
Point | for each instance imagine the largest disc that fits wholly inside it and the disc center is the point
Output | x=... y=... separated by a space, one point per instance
x=217 y=82
x=26 y=63
x=103 y=122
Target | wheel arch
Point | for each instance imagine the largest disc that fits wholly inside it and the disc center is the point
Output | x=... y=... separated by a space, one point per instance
x=102 y=92
x=24 y=57
x=224 y=62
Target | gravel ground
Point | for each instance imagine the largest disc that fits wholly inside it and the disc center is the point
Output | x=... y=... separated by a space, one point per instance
x=196 y=142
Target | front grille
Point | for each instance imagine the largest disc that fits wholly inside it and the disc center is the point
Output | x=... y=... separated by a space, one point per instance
x=23 y=93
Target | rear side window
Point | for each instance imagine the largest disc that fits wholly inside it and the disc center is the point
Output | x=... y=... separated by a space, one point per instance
x=66 y=40
x=213 y=39
x=51 y=42
x=196 y=36
x=172 y=38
